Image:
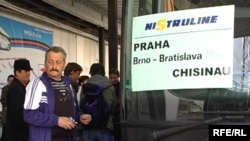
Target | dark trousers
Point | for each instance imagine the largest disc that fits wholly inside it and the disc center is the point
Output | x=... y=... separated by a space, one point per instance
x=117 y=128
x=3 y=133
x=117 y=132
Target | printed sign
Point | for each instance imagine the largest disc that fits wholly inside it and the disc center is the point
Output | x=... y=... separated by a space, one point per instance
x=19 y=40
x=183 y=49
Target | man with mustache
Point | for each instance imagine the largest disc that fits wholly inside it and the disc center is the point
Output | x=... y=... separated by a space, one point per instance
x=49 y=106
x=53 y=69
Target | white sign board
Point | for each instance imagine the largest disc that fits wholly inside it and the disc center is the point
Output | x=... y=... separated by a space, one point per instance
x=183 y=49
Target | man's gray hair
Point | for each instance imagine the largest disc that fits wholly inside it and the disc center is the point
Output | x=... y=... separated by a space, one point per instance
x=56 y=49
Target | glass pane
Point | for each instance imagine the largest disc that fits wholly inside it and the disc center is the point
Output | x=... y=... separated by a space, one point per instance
x=162 y=114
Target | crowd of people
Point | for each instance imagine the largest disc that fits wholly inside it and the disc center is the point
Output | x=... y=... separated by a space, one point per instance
x=52 y=106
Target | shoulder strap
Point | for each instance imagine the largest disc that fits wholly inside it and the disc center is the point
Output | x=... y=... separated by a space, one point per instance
x=92 y=89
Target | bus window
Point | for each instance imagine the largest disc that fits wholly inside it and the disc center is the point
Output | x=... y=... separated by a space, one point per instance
x=181 y=114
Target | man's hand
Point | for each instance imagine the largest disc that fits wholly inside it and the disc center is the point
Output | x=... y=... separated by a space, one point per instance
x=85 y=118
x=66 y=123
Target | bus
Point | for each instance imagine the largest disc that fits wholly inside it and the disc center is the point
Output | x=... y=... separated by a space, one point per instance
x=180 y=114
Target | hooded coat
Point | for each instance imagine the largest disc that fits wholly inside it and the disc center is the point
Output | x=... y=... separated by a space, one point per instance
x=108 y=94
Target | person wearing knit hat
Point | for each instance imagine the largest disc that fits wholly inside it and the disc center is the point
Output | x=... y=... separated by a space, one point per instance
x=103 y=132
x=97 y=68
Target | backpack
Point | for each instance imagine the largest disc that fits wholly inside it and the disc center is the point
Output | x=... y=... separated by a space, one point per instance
x=94 y=103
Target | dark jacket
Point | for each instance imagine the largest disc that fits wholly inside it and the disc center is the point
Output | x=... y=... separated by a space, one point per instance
x=4 y=103
x=75 y=91
x=118 y=103
x=16 y=128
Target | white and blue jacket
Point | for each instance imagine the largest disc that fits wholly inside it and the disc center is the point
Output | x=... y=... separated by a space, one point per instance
x=39 y=108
